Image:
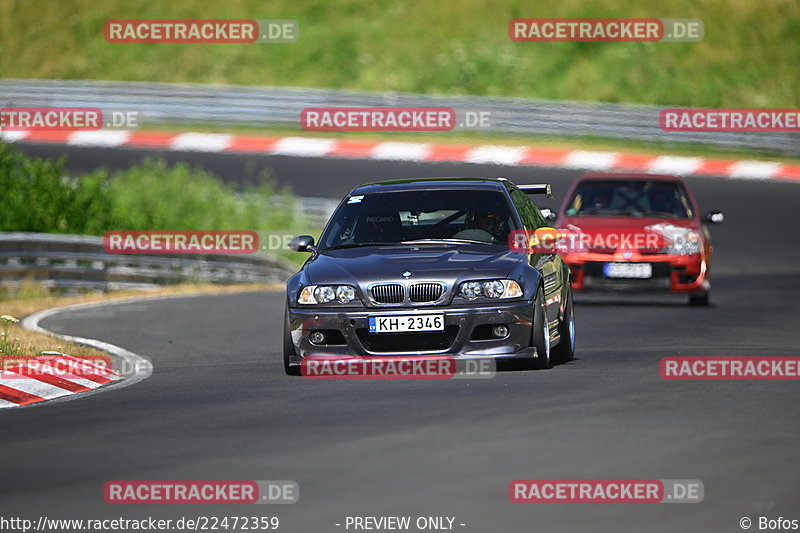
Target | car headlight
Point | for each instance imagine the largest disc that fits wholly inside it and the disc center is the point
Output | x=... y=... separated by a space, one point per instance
x=493 y=288
x=470 y=290
x=680 y=240
x=322 y=294
x=686 y=244
x=345 y=293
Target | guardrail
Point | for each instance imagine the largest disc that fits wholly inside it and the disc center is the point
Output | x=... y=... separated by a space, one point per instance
x=317 y=211
x=279 y=106
x=77 y=262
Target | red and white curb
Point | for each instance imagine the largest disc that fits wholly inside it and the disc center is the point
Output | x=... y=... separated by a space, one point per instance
x=416 y=152
x=27 y=384
x=47 y=377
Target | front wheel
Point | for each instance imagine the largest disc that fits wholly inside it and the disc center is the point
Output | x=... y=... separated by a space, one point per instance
x=702 y=299
x=540 y=334
x=565 y=351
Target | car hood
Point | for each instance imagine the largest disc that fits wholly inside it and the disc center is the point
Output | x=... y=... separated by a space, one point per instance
x=600 y=228
x=448 y=263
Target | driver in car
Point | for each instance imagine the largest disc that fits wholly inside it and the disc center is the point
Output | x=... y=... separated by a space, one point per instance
x=662 y=201
x=480 y=226
x=600 y=199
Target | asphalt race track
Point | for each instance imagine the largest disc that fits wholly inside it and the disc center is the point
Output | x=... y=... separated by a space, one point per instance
x=218 y=405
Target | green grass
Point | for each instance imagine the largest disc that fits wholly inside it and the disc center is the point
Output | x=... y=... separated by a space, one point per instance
x=38 y=196
x=748 y=58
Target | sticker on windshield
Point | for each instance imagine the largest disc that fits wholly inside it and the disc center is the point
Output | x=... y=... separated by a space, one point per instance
x=355 y=199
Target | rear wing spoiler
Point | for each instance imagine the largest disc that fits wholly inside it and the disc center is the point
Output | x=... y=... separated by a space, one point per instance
x=537 y=188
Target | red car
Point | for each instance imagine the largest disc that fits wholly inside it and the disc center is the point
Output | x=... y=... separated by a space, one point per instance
x=636 y=232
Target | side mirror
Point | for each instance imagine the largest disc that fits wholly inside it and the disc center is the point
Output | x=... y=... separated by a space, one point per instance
x=714 y=217
x=545 y=240
x=548 y=214
x=302 y=243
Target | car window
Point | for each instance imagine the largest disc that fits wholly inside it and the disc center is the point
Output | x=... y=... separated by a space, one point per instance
x=419 y=218
x=528 y=211
x=654 y=198
x=395 y=217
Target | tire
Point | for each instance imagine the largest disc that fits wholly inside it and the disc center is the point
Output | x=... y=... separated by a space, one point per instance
x=565 y=351
x=699 y=300
x=540 y=337
x=288 y=347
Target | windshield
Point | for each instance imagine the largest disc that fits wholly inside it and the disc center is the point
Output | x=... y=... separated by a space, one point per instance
x=635 y=198
x=421 y=217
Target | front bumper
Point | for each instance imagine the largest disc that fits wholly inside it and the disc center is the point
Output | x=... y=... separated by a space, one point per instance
x=675 y=273
x=463 y=337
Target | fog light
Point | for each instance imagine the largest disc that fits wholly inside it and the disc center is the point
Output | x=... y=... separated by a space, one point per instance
x=500 y=331
x=317 y=337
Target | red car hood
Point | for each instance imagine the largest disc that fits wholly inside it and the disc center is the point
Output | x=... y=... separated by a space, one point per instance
x=607 y=234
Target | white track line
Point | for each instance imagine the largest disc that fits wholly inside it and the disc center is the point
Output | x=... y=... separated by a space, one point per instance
x=201 y=142
x=395 y=151
x=304 y=147
x=13 y=136
x=591 y=160
x=99 y=138
x=135 y=367
x=78 y=380
x=754 y=169
x=33 y=386
x=500 y=155
x=670 y=164
x=418 y=152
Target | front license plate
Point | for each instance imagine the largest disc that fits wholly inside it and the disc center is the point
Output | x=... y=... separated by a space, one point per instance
x=405 y=323
x=628 y=270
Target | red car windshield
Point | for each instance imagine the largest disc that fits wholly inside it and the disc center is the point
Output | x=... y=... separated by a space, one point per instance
x=634 y=198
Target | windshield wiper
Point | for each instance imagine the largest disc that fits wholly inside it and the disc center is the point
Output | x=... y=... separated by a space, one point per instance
x=445 y=241
x=663 y=214
x=612 y=212
x=360 y=244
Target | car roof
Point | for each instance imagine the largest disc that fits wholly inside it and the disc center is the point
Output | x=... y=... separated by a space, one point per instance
x=432 y=184
x=630 y=176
